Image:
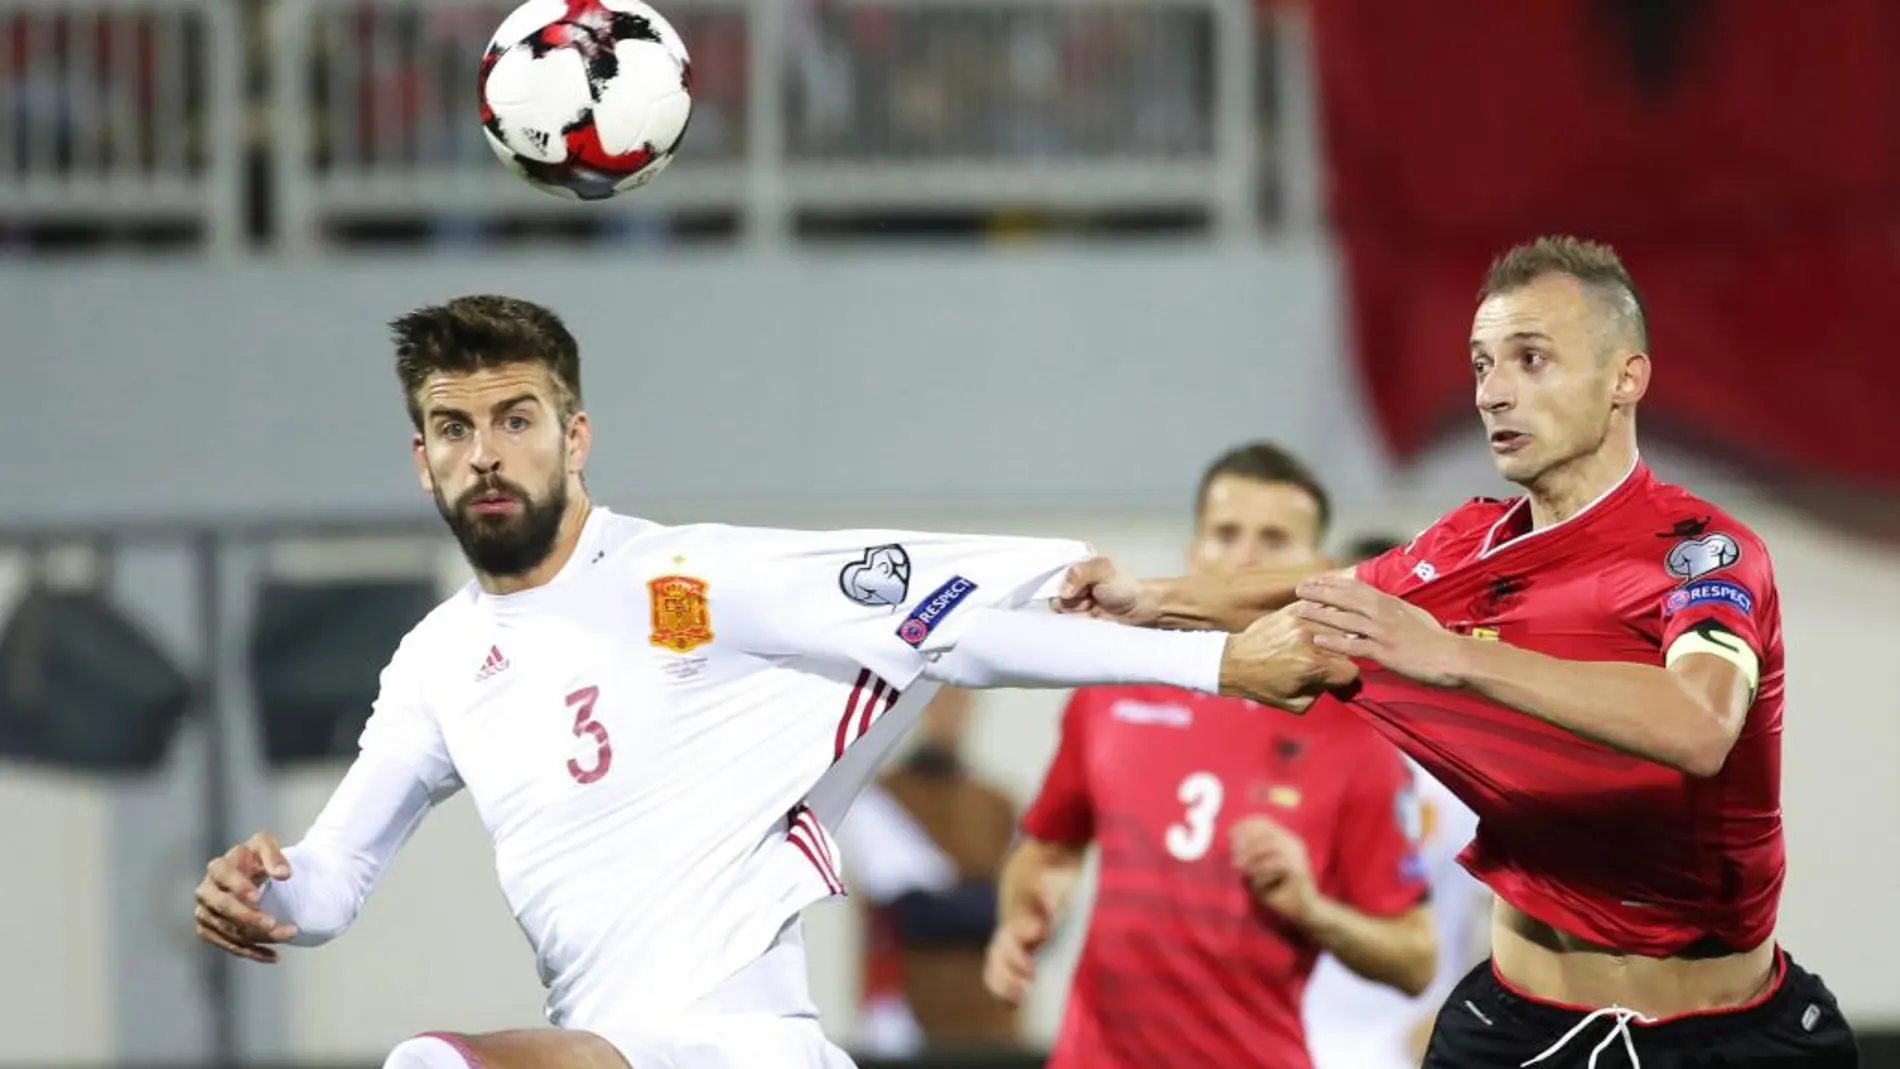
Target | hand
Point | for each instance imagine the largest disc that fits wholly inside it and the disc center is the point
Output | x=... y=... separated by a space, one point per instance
x=1009 y=964
x=1367 y=623
x=1277 y=661
x=228 y=917
x=1096 y=587
x=1276 y=867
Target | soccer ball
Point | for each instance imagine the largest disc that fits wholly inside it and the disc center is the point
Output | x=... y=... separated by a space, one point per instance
x=585 y=98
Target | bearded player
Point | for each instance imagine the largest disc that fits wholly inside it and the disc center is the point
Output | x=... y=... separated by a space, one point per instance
x=641 y=714
x=1235 y=847
x=1596 y=668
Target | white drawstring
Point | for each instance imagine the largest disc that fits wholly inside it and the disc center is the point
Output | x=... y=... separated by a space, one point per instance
x=1621 y=1029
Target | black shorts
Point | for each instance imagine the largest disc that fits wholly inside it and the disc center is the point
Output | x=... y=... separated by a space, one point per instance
x=1485 y=1024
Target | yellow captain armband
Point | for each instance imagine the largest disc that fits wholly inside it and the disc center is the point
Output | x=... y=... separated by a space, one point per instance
x=1716 y=642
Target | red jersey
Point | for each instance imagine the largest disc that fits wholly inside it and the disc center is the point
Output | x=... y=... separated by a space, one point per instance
x=1182 y=967
x=1616 y=849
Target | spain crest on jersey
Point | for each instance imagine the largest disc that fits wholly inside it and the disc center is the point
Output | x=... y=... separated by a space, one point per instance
x=682 y=620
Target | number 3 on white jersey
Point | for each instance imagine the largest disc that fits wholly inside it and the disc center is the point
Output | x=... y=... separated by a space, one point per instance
x=1202 y=794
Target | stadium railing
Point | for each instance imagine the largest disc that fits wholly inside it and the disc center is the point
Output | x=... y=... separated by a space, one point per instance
x=805 y=107
x=123 y=110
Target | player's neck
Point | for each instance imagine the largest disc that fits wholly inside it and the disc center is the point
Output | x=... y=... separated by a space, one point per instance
x=565 y=543
x=1570 y=487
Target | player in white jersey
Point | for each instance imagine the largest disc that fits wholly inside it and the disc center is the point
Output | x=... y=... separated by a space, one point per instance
x=655 y=723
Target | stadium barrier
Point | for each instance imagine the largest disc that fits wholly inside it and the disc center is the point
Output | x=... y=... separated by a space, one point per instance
x=806 y=107
x=321 y=112
x=802 y=106
x=123 y=110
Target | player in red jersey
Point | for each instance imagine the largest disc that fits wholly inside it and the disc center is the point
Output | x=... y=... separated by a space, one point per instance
x=1235 y=845
x=1596 y=669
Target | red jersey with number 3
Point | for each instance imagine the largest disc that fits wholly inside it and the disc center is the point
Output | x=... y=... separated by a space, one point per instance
x=1619 y=850
x=1182 y=967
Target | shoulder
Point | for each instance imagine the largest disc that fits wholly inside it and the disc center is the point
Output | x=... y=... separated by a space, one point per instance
x=640 y=538
x=1694 y=537
x=710 y=559
x=1471 y=519
x=762 y=553
x=862 y=544
x=1447 y=538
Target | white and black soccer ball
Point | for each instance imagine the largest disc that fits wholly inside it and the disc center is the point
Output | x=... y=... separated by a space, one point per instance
x=586 y=98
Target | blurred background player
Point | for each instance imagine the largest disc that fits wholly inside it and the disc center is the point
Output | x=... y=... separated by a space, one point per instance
x=1354 y=1023
x=1235 y=846
x=924 y=847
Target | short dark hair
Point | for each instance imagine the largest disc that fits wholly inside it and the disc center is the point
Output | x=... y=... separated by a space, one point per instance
x=1366 y=547
x=1596 y=266
x=484 y=331
x=1266 y=463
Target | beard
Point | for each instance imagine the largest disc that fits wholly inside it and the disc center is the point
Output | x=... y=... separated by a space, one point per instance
x=510 y=543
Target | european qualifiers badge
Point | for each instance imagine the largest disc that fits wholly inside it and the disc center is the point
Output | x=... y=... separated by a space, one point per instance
x=682 y=620
x=878 y=579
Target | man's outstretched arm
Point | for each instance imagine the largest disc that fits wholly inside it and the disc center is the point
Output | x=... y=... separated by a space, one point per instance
x=971 y=610
x=1273 y=662
x=1231 y=601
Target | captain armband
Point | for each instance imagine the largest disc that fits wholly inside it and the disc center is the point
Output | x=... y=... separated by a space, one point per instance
x=1716 y=641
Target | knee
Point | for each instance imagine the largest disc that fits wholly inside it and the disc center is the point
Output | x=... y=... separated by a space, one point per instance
x=432 y=1050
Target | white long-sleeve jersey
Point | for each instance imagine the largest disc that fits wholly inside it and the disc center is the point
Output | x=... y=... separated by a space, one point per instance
x=656 y=739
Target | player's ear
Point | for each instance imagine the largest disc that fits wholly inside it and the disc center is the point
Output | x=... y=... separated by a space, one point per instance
x=1632 y=379
x=580 y=442
x=423 y=474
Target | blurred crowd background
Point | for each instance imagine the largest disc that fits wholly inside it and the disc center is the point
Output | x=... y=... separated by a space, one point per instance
x=273 y=122
x=1008 y=265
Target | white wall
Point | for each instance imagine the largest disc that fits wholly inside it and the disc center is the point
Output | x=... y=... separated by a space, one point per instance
x=270 y=390
x=55 y=927
x=56 y=1002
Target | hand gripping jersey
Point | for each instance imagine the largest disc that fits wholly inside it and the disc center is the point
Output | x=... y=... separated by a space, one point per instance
x=1181 y=966
x=1615 y=849
x=641 y=736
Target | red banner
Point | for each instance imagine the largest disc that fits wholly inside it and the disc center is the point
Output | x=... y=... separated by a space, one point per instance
x=1743 y=155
